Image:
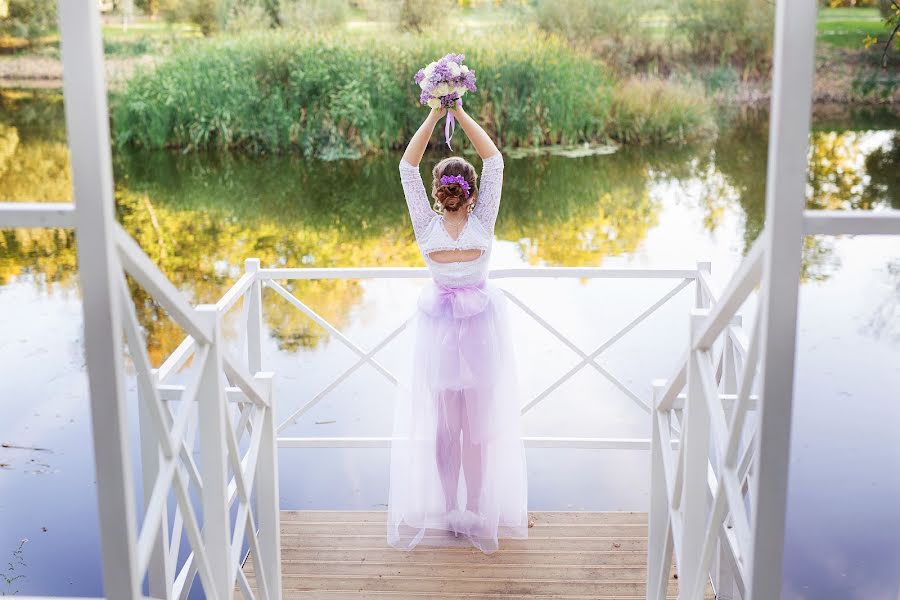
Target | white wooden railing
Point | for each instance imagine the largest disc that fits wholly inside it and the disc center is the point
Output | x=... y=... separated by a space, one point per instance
x=255 y=279
x=226 y=404
x=702 y=447
x=167 y=435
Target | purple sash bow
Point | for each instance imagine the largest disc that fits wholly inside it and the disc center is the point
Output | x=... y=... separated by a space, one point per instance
x=458 y=302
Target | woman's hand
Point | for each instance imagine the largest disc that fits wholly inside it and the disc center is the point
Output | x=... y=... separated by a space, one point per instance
x=438 y=112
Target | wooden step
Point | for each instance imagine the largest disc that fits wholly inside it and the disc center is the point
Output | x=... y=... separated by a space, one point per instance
x=426 y=569
x=467 y=556
x=470 y=585
x=546 y=543
x=380 y=516
x=339 y=595
x=539 y=530
x=577 y=555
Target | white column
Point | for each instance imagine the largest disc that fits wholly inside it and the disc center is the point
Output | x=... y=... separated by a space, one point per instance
x=723 y=575
x=87 y=127
x=701 y=300
x=213 y=460
x=795 y=35
x=254 y=318
x=659 y=554
x=159 y=570
x=696 y=459
x=268 y=507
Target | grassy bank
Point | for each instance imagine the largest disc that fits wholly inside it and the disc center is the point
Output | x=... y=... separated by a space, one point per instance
x=341 y=95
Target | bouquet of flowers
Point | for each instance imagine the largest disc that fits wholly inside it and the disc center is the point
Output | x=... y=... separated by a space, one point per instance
x=443 y=83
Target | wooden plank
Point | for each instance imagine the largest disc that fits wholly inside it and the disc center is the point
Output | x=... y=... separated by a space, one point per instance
x=426 y=569
x=338 y=555
x=340 y=595
x=540 y=530
x=549 y=543
x=471 y=585
x=380 y=516
x=468 y=556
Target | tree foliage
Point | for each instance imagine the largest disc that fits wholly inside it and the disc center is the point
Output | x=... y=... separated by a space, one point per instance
x=29 y=18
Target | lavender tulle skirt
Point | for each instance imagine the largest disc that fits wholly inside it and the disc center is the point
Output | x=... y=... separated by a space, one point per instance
x=457 y=459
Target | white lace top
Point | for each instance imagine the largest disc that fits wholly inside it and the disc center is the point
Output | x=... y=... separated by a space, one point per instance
x=477 y=233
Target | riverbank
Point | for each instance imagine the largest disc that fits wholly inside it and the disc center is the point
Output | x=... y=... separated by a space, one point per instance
x=842 y=76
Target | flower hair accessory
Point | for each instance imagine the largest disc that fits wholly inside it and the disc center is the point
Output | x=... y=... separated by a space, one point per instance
x=457 y=179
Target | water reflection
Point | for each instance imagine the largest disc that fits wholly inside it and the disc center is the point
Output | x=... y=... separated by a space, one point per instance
x=199 y=216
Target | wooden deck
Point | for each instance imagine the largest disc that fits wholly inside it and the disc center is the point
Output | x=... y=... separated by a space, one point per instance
x=343 y=555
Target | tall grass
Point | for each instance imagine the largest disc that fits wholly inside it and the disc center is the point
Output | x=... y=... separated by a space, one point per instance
x=647 y=111
x=346 y=95
x=727 y=31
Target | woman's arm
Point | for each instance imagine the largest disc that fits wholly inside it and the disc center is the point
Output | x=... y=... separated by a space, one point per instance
x=483 y=143
x=416 y=147
x=420 y=211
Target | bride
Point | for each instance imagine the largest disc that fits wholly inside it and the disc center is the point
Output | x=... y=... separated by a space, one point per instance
x=459 y=415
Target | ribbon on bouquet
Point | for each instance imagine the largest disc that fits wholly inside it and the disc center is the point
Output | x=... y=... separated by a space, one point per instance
x=450 y=124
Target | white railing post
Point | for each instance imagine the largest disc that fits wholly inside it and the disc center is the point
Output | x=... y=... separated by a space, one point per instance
x=254 y=317
x=702 y=300
x=213 y=459
x=695 y=437
x=159 y=569
x=267 y=500
x=786 y=174
x=723 y=576
x=87 y=127
x=660 y=539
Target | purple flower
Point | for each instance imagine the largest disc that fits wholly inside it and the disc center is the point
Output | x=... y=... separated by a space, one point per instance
x=457 y=179
x=469 y=80
x=420 y=75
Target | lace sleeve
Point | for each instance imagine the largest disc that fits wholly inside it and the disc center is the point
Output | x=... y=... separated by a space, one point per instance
x=420 y=211
x=488 y=203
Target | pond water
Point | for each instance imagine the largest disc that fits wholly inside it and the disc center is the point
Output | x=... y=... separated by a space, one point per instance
x=199 y=217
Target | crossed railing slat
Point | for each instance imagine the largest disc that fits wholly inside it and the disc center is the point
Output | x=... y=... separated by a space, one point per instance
x=367 y=357
x=173 y=432
x=697 y=494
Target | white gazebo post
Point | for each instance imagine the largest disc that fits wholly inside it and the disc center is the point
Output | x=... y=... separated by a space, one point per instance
x=87 y=127
x=789 y=122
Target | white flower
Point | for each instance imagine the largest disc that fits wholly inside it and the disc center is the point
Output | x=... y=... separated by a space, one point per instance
x=424 y=83
x=430 y=69
x=460 y=91
x=434 y=103
x=464 y=69
x=441 y=90
x=454 y=69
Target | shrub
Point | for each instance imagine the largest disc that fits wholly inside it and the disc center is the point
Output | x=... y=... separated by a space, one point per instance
x=207 y=15
x=313 y=14
x=336 y=95
x=587 y=20
x=28 y=18
x=738 y=31
x=409 y=15
x=652 y=110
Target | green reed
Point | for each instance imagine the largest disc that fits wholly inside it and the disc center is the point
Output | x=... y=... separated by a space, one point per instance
x=343 y=95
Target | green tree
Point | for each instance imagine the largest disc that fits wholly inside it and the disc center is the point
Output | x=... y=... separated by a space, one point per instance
x=29 y=18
